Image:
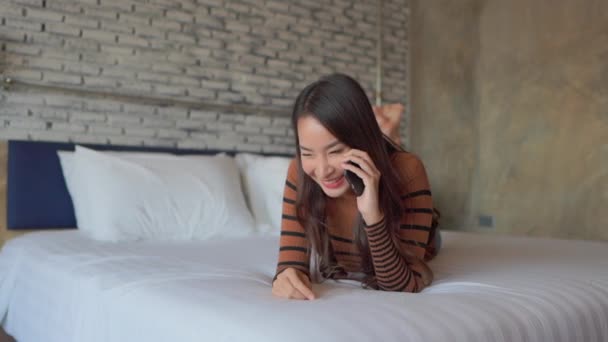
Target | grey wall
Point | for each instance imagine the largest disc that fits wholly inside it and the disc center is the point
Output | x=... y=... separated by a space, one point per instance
x=443 y=37
x=510 y=113
x=185 y=73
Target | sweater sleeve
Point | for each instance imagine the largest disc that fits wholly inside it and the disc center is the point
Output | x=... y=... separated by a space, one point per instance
x=417 y=216
x=294 y=245
x=399 y=266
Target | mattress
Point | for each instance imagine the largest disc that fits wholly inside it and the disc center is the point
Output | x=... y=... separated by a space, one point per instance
x=62 y=286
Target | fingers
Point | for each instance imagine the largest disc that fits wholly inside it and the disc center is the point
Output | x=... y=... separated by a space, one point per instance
x=363 y=164
x=365 y=176
x=292 y=284
x=301 y=288
x=366 y=168
x=283 y=291
x=287 y=292
x=283 y=288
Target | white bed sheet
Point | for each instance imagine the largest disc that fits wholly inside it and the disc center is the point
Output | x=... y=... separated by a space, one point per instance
x=62 y=286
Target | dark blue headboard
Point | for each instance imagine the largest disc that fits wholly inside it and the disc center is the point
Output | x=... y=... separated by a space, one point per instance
x=37 y=196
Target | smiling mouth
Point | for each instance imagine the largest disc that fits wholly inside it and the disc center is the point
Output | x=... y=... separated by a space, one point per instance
x=333 y=183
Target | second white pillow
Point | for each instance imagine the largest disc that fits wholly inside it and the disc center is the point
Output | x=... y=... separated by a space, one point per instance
x=263 y=182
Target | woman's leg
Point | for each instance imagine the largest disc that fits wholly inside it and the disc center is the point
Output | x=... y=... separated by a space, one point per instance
x=389 y=120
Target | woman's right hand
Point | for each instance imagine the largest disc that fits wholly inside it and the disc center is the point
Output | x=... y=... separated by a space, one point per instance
x=292 y=284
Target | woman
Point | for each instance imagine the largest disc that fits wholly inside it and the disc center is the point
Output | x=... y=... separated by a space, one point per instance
x=383 y=236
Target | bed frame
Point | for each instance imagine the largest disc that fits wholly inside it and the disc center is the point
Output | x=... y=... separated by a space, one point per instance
x=486 y=287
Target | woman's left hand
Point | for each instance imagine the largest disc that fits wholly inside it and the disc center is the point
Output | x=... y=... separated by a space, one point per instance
x=367 y=203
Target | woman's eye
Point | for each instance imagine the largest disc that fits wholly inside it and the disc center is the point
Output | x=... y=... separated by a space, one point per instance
x=305 y=154
x=336 y=151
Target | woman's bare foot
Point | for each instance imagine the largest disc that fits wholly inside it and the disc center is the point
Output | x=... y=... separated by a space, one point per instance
x=389 y=119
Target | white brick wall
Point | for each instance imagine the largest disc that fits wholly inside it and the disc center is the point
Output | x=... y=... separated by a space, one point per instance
x=184 y=73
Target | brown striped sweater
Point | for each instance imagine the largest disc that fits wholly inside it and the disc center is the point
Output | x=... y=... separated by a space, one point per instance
x=393 y=272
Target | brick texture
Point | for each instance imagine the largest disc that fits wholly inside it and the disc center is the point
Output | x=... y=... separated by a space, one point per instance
x=185 y=73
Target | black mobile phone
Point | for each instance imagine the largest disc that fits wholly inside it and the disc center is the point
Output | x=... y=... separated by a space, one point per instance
x=355 y=182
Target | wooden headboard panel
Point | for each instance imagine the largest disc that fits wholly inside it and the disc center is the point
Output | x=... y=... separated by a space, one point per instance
x=5 y=234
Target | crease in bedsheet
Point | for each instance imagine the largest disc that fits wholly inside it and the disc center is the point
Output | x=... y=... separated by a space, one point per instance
x=152 y=274
x=166 y=278
x=467 y=287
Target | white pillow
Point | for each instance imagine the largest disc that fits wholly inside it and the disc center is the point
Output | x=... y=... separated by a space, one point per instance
x=263 y=183
x=75 y=182
x=131 y=196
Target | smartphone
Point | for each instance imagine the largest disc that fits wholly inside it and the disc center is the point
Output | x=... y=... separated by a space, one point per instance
x=355 y=182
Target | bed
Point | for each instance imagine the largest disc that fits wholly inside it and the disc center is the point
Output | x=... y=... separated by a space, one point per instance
x=66 y=286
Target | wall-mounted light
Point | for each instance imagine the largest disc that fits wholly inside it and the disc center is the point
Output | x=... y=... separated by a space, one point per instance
x=6 y=83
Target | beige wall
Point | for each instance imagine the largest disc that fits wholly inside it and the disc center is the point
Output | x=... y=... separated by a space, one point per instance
x=510 y=113
x=443 y=128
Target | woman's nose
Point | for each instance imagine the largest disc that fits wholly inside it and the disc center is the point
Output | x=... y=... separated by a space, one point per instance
x=324 y=168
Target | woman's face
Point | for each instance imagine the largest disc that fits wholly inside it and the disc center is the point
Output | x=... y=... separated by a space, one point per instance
x=322 y=156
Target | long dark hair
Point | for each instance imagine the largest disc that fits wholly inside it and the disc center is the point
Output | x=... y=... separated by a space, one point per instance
x=340 y=104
